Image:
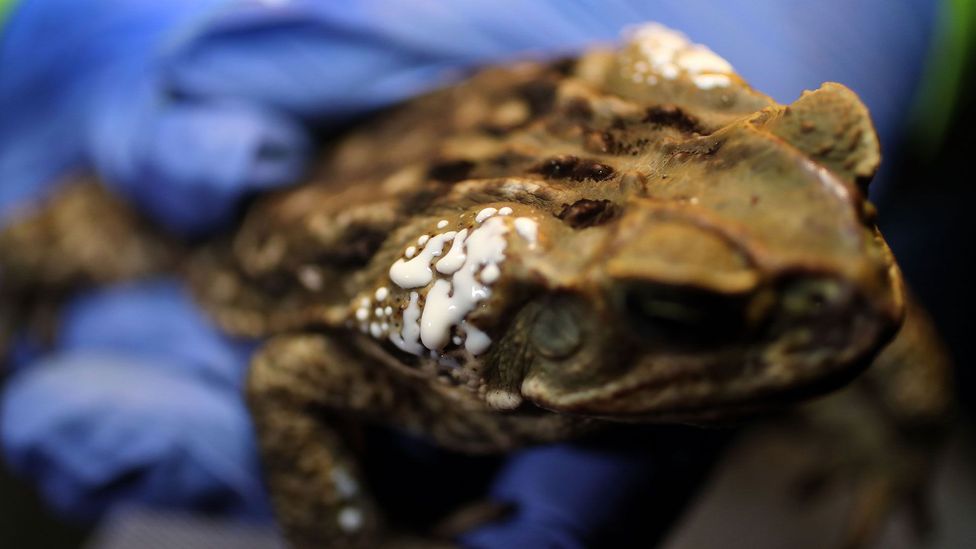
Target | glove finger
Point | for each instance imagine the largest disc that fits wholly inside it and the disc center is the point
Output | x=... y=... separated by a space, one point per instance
x=188 y=164
x=602 y=491
x=53 y=53
x=154 y=319
x=564 y=490
x=96 y=430
x=329 y=61
x=322 y=59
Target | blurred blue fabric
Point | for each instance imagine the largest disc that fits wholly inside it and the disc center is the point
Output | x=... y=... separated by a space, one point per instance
x=140 y=404
x=186 y=106
x=564 y=494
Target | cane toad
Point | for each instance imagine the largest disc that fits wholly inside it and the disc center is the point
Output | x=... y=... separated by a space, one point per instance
x=632 y=235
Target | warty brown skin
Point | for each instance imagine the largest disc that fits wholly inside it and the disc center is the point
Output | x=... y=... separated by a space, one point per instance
x=702 y=254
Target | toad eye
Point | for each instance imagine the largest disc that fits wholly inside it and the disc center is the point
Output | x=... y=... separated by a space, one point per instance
x=679 y=316
x=556 y=333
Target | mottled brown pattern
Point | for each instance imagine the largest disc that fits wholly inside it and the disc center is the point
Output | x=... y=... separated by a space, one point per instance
x=703 y=253
x=81 y=236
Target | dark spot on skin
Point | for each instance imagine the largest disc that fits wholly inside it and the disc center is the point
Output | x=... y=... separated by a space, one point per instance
x=592 y=170
x=419 y=200
x=564 y=67
x=632 y=148
x=495 y=130
x=753 y=200
x=572 y=167
x=539 y=94
x=451 y=171
x=824 y=149
x=578 y=109
x=361 y=243
x=638 y=146
x=672 y=117
x=558 y=167
x=276 y=283
x=587 y=213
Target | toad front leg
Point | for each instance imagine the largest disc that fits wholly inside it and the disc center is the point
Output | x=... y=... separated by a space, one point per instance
x=298 y=386
x=302 y=386
x=300 y=389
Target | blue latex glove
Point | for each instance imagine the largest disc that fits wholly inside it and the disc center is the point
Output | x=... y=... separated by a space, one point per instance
x=140 y=404
x=186 y=106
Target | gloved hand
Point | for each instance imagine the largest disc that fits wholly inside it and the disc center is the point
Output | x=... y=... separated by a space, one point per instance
x=140 y=404
x=186 y=106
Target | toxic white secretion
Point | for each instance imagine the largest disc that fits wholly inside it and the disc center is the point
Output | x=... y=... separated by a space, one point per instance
x=458 y=267
x=664 y=54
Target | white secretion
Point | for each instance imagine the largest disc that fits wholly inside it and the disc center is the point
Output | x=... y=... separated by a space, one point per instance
x=469 y=263
x=528 y=229
x=350 y=519
x=345 y=485
x=709 y=81
x=477 y=341
x=438 y=316
x=668 y=53
x=408 y=340
x=485 y=214
x=450 y=263
x=448 y=303
x=698 y=59
x=416 y=272
x=490 y=273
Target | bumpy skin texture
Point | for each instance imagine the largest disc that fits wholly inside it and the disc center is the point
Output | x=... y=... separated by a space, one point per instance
x=83 y=237
x=700 y=253
x=658 y=242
